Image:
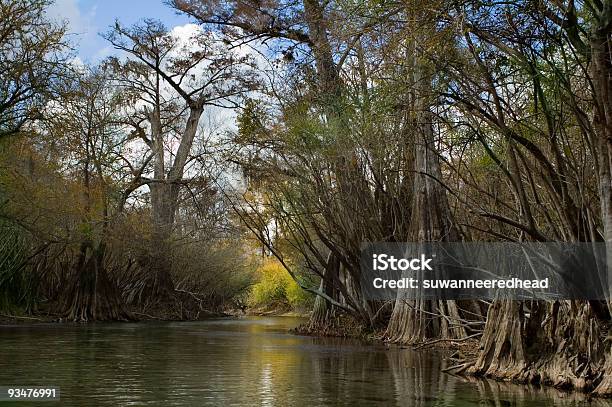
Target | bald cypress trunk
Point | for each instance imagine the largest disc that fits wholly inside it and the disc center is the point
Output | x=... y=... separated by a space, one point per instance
x=324 y=313
x=163 y=204
x=415 y=319
x=348 y=175
x=91 y=295
x=601 y=54
x=557 y=344
x=156 y=283
x=560 y=343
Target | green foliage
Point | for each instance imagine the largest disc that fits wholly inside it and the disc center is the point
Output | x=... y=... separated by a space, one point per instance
x=276 y=288
x=298 y=298
x=17 y=285
x=251 y=127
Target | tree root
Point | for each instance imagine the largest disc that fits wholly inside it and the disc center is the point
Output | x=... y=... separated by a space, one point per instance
x=558 y=344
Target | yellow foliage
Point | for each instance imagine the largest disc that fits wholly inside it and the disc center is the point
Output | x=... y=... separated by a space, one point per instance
x=276 y=287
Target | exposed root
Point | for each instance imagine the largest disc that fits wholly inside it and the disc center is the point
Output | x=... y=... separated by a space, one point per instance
x=417 y=322
x=558 y=344
x=441 y=340
x=149 y=287
x=90 y=294
x=458 y=369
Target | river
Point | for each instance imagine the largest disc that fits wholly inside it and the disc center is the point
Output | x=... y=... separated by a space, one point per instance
x=251 y=361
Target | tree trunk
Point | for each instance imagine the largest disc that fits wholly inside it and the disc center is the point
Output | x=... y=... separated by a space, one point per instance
x=556 y=344
x=324 y=313
x=159 y=285
x=415 y=319
x=348 y=175
x=330 y=87
x=601 y=65
x=90 y=294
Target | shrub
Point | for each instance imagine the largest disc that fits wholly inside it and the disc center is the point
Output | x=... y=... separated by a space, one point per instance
x=299 y=299
x=219 y=274
x=16 y=283
x=276 y=288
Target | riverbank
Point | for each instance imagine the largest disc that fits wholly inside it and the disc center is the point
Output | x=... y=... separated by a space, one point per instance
x=273 y=313
x=136 y=315
x=158 y=313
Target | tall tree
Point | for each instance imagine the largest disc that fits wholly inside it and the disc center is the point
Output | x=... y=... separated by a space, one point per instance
x=171 y=82
x=415 y=319
x=84 y=124
x=306 y=25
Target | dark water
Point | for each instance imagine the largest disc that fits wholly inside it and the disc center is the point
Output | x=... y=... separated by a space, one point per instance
x=244 y=362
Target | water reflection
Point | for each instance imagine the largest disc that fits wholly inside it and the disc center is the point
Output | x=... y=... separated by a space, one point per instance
x=247 y=362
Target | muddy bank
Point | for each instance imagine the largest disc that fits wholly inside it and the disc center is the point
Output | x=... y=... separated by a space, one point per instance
x=180 y=307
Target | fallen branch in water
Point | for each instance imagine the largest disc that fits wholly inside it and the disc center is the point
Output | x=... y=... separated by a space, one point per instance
x=458 y=368
x=446 y=340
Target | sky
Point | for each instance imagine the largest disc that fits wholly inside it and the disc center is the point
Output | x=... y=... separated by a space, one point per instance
x=88 y=18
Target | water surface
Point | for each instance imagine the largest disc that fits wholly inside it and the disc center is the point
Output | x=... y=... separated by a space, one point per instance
x=253 y=361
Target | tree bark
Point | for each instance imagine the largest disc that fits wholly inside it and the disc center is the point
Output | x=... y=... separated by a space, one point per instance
x=90 y=294
x=165 y=189
x=415 y=319
x=556 y=344
x=601 y=65
x=323 y=313
x=348 y=175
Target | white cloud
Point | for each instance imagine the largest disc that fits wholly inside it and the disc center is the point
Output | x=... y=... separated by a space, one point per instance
x=82 y=31
x=69 y=12
x=103 y=53
x=186 y=31
x=77 y=62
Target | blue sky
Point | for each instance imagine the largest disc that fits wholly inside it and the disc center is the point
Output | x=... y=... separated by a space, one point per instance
x=87 y=18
